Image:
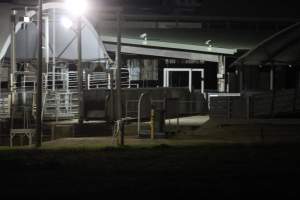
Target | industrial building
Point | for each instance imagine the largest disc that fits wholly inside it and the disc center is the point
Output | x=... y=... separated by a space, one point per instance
x=163 y=58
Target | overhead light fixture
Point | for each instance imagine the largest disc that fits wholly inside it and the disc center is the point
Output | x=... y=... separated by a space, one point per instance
x=26 y=19
x=236 y=72
x=76 y=7
x=66 y=22
x=144 y=37
x=208 y=43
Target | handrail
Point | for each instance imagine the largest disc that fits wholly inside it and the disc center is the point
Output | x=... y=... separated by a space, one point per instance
x=4 y=109
x=44 y=103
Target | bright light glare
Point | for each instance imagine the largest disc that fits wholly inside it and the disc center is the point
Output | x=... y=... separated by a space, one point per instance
x=66 y=22
x=26 y=19
x=76 y=7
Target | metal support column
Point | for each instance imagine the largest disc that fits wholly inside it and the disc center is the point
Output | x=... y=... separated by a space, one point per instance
x=39 y=76
x=272 y=88
x=241 y=74
x=221 y=74
x=112 y=99
x=118 y=76
x=54 y=49
x=79 y=70
x=47 y=52
x=13 y=59
x=272 y=76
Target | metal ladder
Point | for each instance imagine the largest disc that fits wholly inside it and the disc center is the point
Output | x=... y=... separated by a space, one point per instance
x=27 y=130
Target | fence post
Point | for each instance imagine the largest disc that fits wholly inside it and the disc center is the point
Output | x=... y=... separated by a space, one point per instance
x=88 y=81
x=152 y=123
x=178 y=115
x=57 y=106
x=273 y=103
x=248 y=104
x=228 y=107
x=139 y=114
x=295 y=100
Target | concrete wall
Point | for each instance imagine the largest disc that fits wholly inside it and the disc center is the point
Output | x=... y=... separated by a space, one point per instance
x=98 y=103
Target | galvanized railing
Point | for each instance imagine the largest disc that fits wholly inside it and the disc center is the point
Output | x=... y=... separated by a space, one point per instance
x=98 y=80
x=61 y=105
x=4 y=106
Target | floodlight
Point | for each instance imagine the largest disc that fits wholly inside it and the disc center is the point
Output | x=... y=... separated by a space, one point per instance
x=144 y=35
x=208 y=42
x=26 y=19
x=76 y=7
x=66 y=22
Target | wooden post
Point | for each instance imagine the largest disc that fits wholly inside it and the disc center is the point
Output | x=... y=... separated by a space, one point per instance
x=296 y=93
x=122 y=132
x=272 y=87
x=272 y=76
x=241 y=78
x=228 y=107
x=249 y=107
x=152 y=124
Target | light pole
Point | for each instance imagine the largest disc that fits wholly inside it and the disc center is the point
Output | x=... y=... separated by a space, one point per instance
x=77 y=8
x=79 y=69
x=13 y=58
x=118 y=78
x=39 y=76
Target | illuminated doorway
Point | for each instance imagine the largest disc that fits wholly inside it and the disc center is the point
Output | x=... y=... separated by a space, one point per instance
x=184 y=78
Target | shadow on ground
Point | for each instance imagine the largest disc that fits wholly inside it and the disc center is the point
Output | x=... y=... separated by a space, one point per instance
x=210 y=161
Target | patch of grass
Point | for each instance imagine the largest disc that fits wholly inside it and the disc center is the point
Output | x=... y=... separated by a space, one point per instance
x=224 y=170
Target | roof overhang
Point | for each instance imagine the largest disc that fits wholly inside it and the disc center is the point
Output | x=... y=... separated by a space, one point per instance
x=166 y=53
x=167 y=49
x=170 y=45
x=280 y=49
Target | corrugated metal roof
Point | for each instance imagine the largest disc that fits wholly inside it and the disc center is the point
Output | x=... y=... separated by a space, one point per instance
x=66 y=45
x=222 y=41
x=280 y=49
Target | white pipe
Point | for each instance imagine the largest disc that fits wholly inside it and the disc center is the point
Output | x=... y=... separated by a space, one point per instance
x=54 y=50
x=139 y=113
x=47 y=41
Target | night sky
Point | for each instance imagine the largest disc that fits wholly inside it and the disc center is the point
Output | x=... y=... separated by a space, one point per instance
x=228 y=8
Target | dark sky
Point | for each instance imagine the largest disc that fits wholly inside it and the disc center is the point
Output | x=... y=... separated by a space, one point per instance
x=228 y=8
x=251 y=8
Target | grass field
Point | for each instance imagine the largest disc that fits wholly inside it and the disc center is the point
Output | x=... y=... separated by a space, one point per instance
x=200 y=163
x=207 y=170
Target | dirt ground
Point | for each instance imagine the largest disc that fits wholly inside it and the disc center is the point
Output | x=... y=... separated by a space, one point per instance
x=194 y=130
